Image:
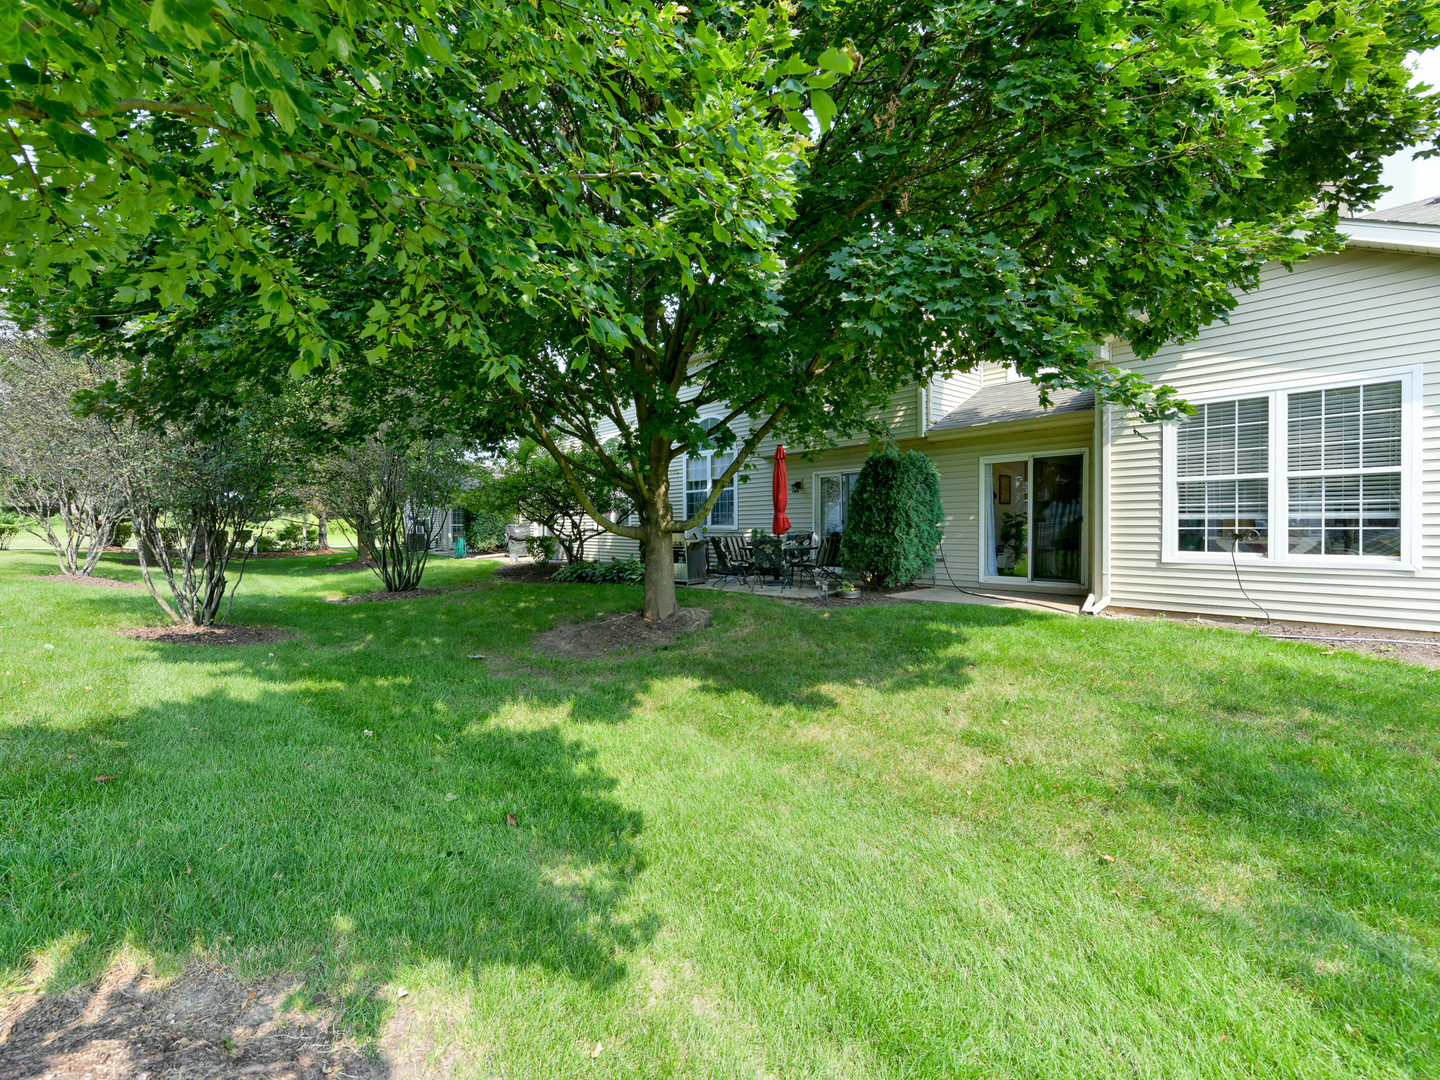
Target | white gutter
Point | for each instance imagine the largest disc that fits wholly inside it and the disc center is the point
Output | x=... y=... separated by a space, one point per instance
x=1391 y=236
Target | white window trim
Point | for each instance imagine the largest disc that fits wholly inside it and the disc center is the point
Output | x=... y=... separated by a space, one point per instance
x=1412 y=383
x=685 y=487
x=1085 y=500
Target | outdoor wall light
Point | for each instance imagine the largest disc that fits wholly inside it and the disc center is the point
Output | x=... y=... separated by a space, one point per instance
x=798 y=485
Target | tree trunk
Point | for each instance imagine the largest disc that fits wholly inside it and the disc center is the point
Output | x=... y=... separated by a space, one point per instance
x=322 y=531
x=660 y=601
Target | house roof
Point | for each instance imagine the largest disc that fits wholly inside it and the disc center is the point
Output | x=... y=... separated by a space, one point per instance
x=1420 y=212
x=1012 y=401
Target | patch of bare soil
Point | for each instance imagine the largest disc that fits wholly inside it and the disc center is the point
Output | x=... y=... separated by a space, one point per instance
x=209 y=635
x=82 y=579
x=866 y=598
x=527 y=572
x=1406 y=646
x=587 y=640
x=204 y=1023
x=1422 y=649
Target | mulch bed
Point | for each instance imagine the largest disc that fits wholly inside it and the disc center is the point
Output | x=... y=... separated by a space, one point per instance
x=209 y=635
x=82 y=579
x=588 y=640
x=127 y=1025
x=527 y=573
x=381 y=594
x=353 y=564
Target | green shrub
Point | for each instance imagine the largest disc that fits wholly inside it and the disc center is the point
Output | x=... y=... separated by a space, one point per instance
x=288 y=535
x=484 y=532
x=266 y=542
x=893 y=522
x=123 y=534
x=615 y=572
x=542 y=548
x=8 y=529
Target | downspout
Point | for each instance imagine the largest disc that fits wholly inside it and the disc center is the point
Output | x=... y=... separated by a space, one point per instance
x=1100 y=598
x=924 y=426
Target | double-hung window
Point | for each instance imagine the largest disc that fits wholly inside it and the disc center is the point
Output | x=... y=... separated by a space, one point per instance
x=1222 y=463
x=1293 y=474
x=702 y=472
x=1344 y=470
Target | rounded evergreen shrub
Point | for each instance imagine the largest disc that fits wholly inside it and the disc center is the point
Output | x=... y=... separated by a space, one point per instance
x=894 y=520
x=484 y=532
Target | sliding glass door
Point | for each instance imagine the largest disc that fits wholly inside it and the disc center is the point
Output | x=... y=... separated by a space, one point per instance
x=1036 y=519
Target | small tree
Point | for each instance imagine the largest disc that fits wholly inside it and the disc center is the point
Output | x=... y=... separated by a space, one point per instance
x=894 y=520
x=54 y=463
x=194 y=490
x=389 y=491
x=527 y=482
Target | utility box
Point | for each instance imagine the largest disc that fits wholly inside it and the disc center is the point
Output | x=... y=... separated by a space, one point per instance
x=459 y=547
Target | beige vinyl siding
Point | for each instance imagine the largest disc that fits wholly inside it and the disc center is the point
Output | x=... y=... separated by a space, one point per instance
x=950 y=392
x=992 y=373
x=1356 y=314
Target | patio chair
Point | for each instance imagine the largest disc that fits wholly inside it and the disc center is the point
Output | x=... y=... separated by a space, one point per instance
x=800 y=554
x=731 y=561
x=770 y=557
x=827 y=560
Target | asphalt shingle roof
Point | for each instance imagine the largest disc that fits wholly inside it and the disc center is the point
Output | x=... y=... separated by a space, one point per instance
x=1013 y=401
x=1419 y=212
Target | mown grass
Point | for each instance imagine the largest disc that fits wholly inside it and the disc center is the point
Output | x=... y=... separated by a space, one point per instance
x=903 y=841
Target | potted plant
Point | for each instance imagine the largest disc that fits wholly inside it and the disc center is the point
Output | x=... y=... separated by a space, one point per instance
x=848 y=591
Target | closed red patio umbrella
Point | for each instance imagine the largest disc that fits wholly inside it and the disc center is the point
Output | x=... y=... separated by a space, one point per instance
x=779 y=492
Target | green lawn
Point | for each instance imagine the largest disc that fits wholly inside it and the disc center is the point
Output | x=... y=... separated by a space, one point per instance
x=903 y=841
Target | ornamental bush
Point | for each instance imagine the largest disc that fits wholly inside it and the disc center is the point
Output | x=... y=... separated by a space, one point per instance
x=484 y=532
x=894 y=520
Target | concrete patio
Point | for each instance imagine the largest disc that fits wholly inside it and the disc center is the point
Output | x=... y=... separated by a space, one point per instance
x=1066 y=603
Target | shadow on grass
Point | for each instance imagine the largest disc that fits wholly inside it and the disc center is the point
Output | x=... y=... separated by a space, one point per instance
x=265 y=826
x=339 y=806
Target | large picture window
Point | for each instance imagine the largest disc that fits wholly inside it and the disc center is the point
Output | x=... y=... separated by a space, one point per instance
x=702 y=472
x=1292 y=474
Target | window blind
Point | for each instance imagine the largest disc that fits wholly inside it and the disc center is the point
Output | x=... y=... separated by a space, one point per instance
x=1344 y=471
x=1223 y=464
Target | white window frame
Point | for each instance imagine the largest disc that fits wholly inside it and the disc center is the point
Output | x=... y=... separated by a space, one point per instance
x=1279 y=556
x=707 y=455
x=817 y=524
x=1085 y=501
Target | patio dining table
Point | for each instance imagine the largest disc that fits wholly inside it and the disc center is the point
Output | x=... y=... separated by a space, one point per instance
x=791 y=554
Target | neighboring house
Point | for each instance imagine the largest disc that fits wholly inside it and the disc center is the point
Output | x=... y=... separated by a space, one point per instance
x=1315 y=454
